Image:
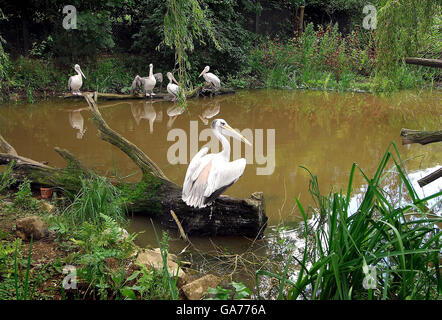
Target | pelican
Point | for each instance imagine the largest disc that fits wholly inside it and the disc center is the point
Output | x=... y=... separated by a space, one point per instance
x=150 y=82
x=212 y=79
x=140 y=81
x=173 y=88
x=209 y=175
x=75 y=82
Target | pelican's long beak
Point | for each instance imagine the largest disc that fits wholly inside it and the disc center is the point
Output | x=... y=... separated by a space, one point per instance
x=201 y=74
x=82 y=74
x=174 y=80
x=236 y=134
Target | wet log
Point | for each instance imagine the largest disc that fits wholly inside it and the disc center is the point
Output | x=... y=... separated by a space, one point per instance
x=421 y=137
x=226 y=216
x=197 y=92
x=430 y=178
x=435 y=63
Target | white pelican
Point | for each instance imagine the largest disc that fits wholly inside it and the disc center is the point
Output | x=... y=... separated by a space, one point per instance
x=149 y=82
x=173 y=88
x=209 y=175
x=140 y=81
x=212 y=79
x=75 y=82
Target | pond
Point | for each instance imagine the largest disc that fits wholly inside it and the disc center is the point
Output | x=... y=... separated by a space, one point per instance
x=322 y=131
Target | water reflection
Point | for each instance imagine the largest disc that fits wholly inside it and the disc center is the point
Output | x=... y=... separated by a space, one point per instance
x=146 y=110
x=210 y=111
x=77 y=122
x=173 y=112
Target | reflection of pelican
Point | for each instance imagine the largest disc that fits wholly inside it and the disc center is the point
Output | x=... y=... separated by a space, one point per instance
x=75 y=82
x=210 y=112
x=146 y=111
x=209 y=175
x=173 y=113
x=173 y=88
x=212 y=79
x=149 y=114
x=77 y=122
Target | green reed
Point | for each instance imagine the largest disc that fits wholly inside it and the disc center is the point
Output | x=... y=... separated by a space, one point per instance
x=401 y=241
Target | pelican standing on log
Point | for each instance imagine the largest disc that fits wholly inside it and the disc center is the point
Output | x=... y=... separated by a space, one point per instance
x=173 y=88
x=210 y=78
x=150 y=82
x=209 y=175
x=75 y=82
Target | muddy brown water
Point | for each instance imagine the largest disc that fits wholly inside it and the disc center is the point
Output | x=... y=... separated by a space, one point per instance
x=324 y=132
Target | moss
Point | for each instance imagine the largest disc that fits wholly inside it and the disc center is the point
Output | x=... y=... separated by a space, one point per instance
x=146 y=189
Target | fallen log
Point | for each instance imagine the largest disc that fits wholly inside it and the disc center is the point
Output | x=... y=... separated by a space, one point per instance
x=430 y=178
x=158 y=196
x=435 y=63
x=198 y=91
x=422 y=137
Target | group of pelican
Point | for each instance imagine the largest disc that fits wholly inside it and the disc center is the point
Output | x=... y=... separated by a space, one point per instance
x=208 y=175
x=148 y=83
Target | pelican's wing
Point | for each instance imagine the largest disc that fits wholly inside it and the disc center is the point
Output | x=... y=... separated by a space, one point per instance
x=134 y=85
x=69 y=83
x=158 y=77
x=214 y=79
x=193 y=188
x=222 y=176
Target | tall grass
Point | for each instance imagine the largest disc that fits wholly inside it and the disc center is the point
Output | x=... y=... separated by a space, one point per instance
x=401 y=241
x=97 y=196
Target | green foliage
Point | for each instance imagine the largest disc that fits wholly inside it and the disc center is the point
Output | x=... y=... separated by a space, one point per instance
x=98 y=244
x=7 y=179
x=400 y=240
x=240 y=291
x=23 y=198
x=403 y=28
x=96 y=199
x=22 y=285
x=184 y=23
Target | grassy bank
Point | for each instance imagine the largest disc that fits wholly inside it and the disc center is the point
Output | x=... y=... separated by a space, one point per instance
x=321 y=58
x=386 y=248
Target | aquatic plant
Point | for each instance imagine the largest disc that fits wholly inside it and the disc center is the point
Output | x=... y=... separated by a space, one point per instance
x=399 y=243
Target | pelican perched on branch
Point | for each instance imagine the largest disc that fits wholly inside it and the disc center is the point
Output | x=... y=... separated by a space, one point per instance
x=210 y=78
x=140 y=81
x=209 y=175
x=149 y=82
x=75 y=82
x=173 y=88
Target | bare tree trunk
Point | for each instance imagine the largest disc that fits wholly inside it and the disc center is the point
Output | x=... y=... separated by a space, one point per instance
x=435 y=63
x=301 y=20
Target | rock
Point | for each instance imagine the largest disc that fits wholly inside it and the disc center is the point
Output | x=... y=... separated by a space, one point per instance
x=31 y=226
x=123 y=233
x=153 y=258
x=47 y=206
x=197 y=288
